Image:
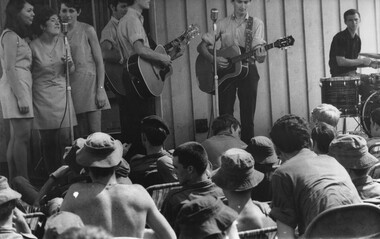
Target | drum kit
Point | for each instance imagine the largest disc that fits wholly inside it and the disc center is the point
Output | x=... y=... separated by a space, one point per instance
x=343 y=92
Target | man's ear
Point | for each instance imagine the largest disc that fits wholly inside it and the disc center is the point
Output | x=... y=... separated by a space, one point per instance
x=190 y=169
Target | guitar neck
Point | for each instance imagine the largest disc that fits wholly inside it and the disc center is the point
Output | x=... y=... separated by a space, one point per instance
x=249 y=54
x=174 y=43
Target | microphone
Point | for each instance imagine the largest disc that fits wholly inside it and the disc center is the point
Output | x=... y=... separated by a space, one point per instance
x=65 y=27
x=214 y=14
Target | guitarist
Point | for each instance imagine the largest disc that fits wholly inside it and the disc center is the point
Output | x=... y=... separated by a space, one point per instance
x=133 y=40
x=239 y=29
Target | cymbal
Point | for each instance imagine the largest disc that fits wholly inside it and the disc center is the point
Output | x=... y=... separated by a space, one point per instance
x=371 y=55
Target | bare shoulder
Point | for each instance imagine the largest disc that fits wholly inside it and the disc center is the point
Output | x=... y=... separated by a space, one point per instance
x=10 y=37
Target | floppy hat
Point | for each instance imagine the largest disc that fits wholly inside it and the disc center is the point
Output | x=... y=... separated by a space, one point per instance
x=237 y=172
x=60 y=222
x=101 y=151
x=6 y=193
x=262 y=150
x=352 y=152
x=203 y=216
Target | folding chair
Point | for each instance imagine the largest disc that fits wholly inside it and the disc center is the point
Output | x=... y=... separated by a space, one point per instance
x=263 y=233
x=159 y=192
x=374 y=171
x=348 y=221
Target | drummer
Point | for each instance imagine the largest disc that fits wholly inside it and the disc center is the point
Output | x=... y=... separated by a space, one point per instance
x=345 y=48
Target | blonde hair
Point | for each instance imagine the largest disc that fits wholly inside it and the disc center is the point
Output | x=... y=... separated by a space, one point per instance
x=326 y=113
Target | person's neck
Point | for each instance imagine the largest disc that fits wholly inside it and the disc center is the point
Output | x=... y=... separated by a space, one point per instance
x=72 y=26
x=137 y=8
x=48 y=39
x=240 y=16
x=238 y=202
x=7 y=223
x=352 y=33
x=150 y=149
x=107 y=180
x=197 y=179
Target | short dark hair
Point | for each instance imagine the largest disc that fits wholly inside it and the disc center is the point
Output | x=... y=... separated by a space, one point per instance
x=349 y=13
x=42 y=16
x=323 y=134
x=155 y=133
x=291 y=133
x=224 y=122
x=192 y=154
x=115 y=2
x=7 y=208
x=77 y=4
x=375 y=116
x=130 y=2
x=13 y=20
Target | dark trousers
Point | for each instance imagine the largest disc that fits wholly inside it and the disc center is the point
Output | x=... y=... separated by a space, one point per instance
x=246 y=89
x=132 y=110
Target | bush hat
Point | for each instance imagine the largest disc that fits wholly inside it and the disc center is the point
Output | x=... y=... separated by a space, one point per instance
x=262 y=150
x=100 y=151
x=204 y=216
x=6 y=193
x=237 y=172
x=352 y=152
x=60 y=222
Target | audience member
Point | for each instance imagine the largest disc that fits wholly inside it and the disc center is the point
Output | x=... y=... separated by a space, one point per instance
x=226 y=135
x=87 y=232
x=87 y=82
x=237 y=177
x=12 y=221
x=190 y=164
x=16 y=84
x=374 y=132
x=207 y=217
x=322 y=135
x=156 y=166
x=121 y=209
x=352 y=152
x=325 y=113
x=306 y=184
x=59 y=223
x=264 y=154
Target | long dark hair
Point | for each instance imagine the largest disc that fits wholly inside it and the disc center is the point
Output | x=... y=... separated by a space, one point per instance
x=42 y=16
x=13 y=20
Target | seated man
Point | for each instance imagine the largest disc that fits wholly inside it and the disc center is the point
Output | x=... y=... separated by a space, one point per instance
x=322 y=135
x=305 y=184
x=10 y=215
x=375 y=132
x=237 y=177
x=226 y=135
x=352 y=152
x=122 y=209
x=190 y=164
x=156 y=167
x=266 y=161
x=325 y=113
x=207 y=217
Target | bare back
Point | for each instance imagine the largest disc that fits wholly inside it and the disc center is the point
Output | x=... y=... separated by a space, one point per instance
x=121 y=209
x=251 y=217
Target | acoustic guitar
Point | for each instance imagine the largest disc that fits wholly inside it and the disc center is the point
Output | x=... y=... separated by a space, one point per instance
x=236 y=69
x=147 y=77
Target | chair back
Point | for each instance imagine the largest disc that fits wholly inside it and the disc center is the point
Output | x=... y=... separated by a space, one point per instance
x=263 y=233
x=159 y=192
x=348 y=221
x=374 y=171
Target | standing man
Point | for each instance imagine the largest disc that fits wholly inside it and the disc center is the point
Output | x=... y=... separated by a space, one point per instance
x=239 y=29
x=346 y=46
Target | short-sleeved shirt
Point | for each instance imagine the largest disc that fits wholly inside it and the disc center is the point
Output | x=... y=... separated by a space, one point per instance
x=367 y=187
x=343 y=45
x=307 y=185
x=129 y=30
x=232 y=32
x=109 y=33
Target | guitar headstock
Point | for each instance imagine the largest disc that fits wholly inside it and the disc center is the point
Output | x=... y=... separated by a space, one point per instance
x=284 y=42
x=191 y=32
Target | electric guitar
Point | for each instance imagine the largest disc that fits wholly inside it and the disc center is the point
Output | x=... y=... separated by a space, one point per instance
x=147 y=77
x=236 y=69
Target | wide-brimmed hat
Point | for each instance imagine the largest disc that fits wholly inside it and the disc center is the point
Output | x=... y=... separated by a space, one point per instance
x=352 y=152
x=6 y=193
x=60 y=222
x=204 y=216
x=237 y=172
x=262 y=150
x=101 y=151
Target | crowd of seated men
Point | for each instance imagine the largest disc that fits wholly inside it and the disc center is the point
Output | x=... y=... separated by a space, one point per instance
x=284 y=181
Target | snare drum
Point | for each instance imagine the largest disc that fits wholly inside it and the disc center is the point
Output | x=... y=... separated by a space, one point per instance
x=342 y=92
x=369 y=105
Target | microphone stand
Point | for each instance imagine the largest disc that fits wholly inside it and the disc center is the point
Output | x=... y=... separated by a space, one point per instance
x=68 y=87
x=216 y=85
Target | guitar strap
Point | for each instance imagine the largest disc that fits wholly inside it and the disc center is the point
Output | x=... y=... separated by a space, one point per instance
x=248 y=37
